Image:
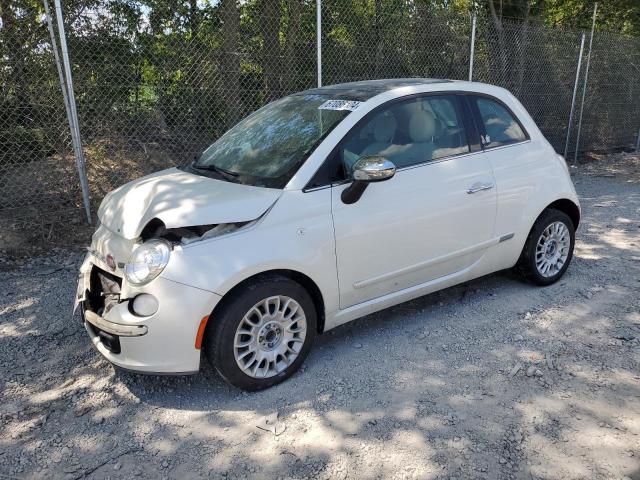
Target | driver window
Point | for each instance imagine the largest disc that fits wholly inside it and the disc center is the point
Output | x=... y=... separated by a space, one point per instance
x=408 y=133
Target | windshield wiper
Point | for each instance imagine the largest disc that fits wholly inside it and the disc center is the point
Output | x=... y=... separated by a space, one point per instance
x=215 y=168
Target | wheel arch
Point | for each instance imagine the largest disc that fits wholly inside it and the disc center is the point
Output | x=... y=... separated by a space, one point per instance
x=566 y=206
x=305 y=281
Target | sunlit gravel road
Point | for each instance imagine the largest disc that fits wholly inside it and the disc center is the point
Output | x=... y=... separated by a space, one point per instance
x=495 y=379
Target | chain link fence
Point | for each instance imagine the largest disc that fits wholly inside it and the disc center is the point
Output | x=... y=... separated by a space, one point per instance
x=611 y=118
x=537 y=64
x=153 y=87
x=38 y=179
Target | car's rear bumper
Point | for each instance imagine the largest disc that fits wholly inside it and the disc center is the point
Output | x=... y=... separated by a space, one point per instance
x=164 y=342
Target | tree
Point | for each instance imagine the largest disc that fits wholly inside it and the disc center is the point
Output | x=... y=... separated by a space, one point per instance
x=231 y=59
x=270 y=54
x=614 y=15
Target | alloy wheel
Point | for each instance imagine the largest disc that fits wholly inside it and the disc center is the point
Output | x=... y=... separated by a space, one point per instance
x=552 y=249
x=270 y=336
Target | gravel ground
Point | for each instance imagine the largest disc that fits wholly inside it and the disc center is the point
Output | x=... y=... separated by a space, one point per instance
x=492 y=379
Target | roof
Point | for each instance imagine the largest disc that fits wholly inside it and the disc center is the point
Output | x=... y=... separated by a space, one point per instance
x=366 y=89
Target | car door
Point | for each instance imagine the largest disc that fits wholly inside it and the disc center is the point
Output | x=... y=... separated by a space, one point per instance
x=510 y=152
x=434 y=218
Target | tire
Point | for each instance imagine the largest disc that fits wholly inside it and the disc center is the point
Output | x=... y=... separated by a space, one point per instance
x=538 y=253
x=264 y=307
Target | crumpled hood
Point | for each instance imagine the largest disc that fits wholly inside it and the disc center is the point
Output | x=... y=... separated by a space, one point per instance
x=181 y=199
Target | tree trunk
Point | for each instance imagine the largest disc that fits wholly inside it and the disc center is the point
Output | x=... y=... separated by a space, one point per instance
x=426 y=61
x=194 y=20
x=231 y=60
x=294 y=8
x=17 y=77
x=199 y=116
x=522 y=48
x=271 y=48
x=377 y=29
x=502 y=49
x=136 y=103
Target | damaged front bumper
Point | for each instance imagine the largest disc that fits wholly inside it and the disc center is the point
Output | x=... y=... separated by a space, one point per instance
x=114 y=328
x=164 y=342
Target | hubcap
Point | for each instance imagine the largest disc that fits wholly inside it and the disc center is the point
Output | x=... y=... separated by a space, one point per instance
x=552 y=249
x=270 y=336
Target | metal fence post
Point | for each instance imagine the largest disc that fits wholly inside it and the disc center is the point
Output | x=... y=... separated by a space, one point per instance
x=472 y=48
x=584 y=84
x=319 y=40
x=638 y=142
x=573 y=98
x=73 y=123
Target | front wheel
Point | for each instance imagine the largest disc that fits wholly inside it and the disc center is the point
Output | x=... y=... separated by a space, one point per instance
x=549 y=248
x=262 y=333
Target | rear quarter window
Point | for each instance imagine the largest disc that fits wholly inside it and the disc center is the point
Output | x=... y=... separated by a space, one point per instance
x=500 y=126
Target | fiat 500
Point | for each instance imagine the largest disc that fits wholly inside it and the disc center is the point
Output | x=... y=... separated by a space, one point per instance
x=317 y=209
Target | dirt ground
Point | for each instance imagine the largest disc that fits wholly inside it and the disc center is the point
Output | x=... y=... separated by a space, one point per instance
x=494 y=379
x=41 y=203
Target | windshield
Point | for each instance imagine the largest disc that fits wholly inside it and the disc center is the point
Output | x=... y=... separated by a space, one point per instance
x=269 y=146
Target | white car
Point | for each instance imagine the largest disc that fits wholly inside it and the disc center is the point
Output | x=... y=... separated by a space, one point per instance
x=317 y=209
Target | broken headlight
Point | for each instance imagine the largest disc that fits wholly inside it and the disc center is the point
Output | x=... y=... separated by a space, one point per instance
x=147 y=261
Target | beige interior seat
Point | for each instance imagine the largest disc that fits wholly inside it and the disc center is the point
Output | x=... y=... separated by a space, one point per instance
x=422 y=131
x=384 y=129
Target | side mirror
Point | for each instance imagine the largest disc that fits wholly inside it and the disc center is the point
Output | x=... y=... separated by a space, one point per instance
x=368 y=169
x=373 y=168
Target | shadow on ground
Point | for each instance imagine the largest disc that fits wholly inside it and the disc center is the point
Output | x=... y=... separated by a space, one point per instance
x=491 y=379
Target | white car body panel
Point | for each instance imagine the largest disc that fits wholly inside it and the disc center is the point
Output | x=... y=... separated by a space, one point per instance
x=181 y=199
x=442 y=229
x=296 y=234
x=408 y=236
x=172 y=328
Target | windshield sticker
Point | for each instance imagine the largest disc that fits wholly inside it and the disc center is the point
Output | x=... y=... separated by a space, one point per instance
x=339 y=105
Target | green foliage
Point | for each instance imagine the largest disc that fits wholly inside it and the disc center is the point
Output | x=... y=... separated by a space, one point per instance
x=21 y=140
x=616 y=15
x=180 y=72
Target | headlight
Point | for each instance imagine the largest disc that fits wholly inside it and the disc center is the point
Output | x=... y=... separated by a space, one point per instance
x=147 y=261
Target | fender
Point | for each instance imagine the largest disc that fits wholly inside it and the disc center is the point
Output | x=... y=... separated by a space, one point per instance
x=296 y=235
x=521 y=201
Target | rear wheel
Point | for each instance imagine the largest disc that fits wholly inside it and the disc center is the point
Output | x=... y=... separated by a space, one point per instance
x=549 y=248
x=263 y=333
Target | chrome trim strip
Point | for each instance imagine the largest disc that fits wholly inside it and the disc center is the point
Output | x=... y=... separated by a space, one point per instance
x=315 y=189
x=460 y=155
x=506 y=237
x=479 y=188
x=393 y=298
x=426 y=263
x=425 y=164
x=491 y=149
x=439 y=160
x=114 y=328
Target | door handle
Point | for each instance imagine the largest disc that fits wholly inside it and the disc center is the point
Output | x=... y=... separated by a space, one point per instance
x=479 y=187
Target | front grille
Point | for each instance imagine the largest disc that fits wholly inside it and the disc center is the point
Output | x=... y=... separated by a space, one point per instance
x=105 y=291
x=103 y=295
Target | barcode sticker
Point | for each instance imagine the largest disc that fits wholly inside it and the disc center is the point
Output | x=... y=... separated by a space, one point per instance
x=340 y=105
